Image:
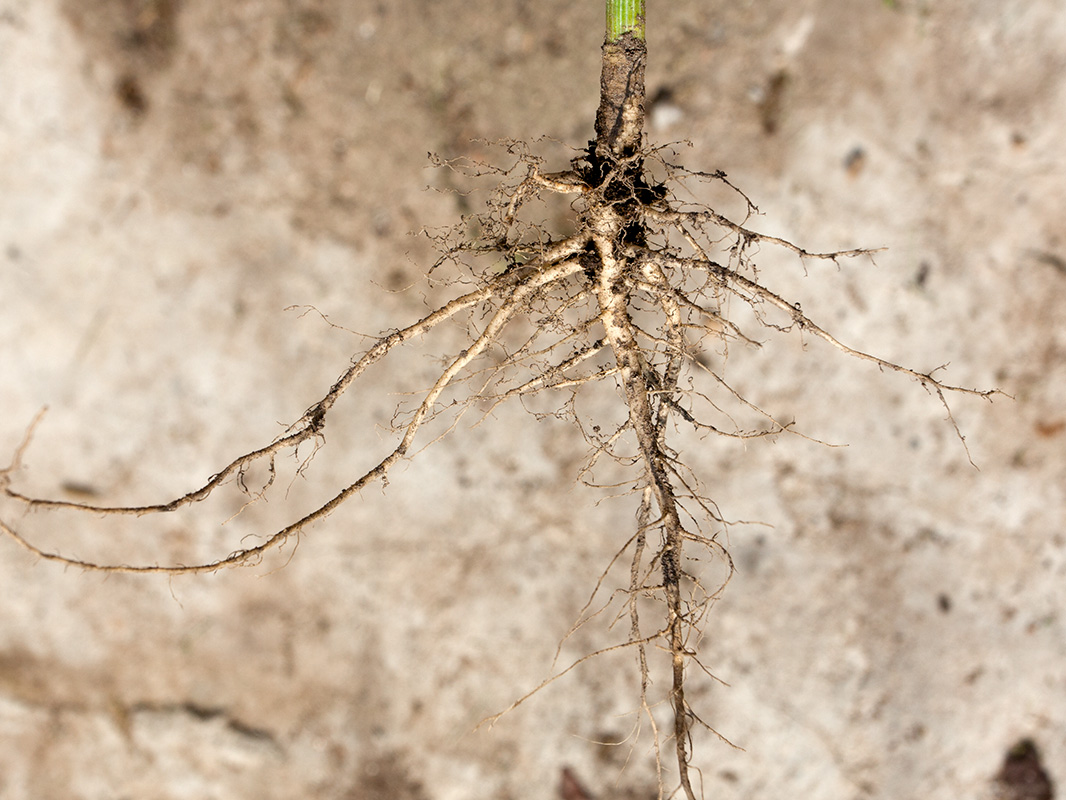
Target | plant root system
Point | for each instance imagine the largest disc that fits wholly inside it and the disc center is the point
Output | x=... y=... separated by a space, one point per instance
x=636 y=296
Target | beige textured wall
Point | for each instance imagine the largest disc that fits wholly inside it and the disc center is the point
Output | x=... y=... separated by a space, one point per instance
x=173 y=175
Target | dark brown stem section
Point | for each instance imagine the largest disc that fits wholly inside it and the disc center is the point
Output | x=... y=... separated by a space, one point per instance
x=620 y=118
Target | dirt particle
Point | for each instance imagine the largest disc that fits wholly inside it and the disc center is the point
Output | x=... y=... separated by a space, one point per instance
x=130 y=94
x=141 y=33
x=385 y=778
x=915 y=732
x=1046 y=429
x=854 y=161
x=771 y=102
x=1051 y=259
x=570 y=787
x=1022 y=776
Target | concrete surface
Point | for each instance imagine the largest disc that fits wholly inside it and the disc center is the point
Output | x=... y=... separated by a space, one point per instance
x=174 y=174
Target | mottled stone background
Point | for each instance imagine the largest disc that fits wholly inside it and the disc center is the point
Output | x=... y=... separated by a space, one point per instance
x=174 y=174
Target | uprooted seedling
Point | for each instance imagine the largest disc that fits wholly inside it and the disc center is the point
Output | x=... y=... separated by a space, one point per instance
x=637 y=295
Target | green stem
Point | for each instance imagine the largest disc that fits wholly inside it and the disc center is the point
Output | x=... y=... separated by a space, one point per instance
x=625 y=16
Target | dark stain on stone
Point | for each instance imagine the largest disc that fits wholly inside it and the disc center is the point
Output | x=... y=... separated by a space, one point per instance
x=1022 y=776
